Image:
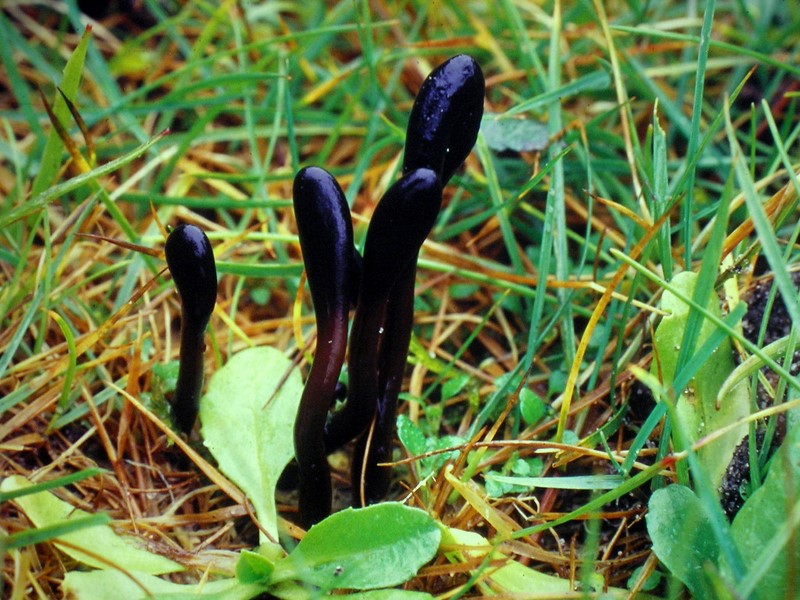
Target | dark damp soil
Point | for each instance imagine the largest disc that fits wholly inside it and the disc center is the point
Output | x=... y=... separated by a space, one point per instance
x=776 y=323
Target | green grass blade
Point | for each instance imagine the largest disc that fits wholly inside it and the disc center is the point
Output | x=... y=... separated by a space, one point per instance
x=54 y=193
x=70 y=479
x=764 y=230
x=687 y=207
x=28 y=537
x=51 y=158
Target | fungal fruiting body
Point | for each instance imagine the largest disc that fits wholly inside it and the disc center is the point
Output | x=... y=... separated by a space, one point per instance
x=399 y=225
x=383 y=318
x=442 y=130
x=371 y=481
x=191 y=262
x=326 y=239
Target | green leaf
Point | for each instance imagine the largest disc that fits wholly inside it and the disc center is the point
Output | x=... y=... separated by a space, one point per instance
x=410 y=436
x=96 y=546
x=115 y=585
x=253 y=567
x=763 y=525
x=378 y=546
x=682 y=536
x=454 y=385
x=531 y=406
x=516 y=135
x=697 y=404
x=247 y=418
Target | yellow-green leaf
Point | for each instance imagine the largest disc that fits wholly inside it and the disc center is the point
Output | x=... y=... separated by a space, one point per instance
x=98 y=546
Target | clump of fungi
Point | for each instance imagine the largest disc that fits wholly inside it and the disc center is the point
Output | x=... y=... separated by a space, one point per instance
x=442 y=130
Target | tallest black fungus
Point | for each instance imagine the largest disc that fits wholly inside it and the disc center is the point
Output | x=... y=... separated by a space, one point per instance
x=401 y=221
x=384 y=318
x=445 y=118
x=442 y=130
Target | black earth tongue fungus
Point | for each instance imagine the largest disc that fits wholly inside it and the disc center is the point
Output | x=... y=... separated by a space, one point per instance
x=383 y=317
x=326 y=239
x=442 y=130
x=446 y=117
x=191 y=262
x=399 y=225
x=371 y=482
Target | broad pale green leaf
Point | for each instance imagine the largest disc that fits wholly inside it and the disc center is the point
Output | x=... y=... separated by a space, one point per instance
x=682 y=536
x=374 y=547
x=90 y=544
x=760 y=529
x=517 y=135
x=247 y=418
x=115 y=585
x=697 y=404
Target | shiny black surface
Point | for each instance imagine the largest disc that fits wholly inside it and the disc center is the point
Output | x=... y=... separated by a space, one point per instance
x=399 y=226
x=191 y=262
x=326 y=239
x=445 y=118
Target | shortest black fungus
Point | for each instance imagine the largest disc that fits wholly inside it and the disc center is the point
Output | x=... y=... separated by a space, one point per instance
x=191 y=263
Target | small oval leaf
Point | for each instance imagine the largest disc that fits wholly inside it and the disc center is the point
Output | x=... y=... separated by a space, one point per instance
x=378 y=546
x=682 y=536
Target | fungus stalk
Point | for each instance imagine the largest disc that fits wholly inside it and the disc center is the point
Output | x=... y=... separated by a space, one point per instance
x=402 y=220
